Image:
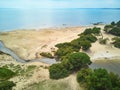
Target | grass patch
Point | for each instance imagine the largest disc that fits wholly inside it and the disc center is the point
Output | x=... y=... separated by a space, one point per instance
x=50 y=85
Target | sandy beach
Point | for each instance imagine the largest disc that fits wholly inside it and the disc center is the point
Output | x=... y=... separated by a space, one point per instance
x=28 y=44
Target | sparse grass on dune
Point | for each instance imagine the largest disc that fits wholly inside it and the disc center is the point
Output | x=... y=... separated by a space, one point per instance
x=51 y=85
x=68 y=83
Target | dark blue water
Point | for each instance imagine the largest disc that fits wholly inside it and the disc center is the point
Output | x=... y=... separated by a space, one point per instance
x=11 y=19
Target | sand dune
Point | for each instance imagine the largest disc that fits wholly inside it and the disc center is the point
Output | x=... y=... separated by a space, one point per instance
x=29 y=43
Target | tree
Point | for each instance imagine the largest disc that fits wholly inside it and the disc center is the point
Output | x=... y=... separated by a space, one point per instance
x=118 y=23
x=78 y=60
x=96 y=30
x=7 y=85
x=99 y=80
x=6 y=74
x=58 y=71
x=83 y=74
x=115 y=80
x=87 y=31
x=113 y=23
x=116 y=42
x=115 y=31
x=85 y=45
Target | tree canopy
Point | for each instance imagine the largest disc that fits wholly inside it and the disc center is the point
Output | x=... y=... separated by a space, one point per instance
x=98 y=79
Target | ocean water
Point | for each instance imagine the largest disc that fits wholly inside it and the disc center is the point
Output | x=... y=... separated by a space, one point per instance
x=12 y=19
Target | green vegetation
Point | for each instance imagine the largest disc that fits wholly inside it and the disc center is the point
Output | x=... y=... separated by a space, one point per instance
x=20 y=70
x=71 y=59
x=69 y=64
x=7 y=85
x=103 y=41
x=10 y=70
x=113 y=28
x=51 y=85
x=98 y=79
x=58 y=71
x=46 y=54
x=116 y=42
x=83 y=42
x=95 y=31
x=6 y=74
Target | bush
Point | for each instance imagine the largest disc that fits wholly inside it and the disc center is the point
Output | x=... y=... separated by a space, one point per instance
x=116 y=42
x=72 y=62
x=83 y=74
x=7 y=85
x=58 y=71
x=95 y=31
x=6 y=73
x=115 y=31
x=45 y=54
x=78 y=60
x=103 y=41
x=113 y=28
x=98 y=79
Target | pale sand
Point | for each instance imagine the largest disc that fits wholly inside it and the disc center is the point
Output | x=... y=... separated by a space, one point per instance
x=29 y=43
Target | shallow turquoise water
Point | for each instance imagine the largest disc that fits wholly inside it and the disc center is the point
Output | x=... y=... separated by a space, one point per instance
x=11 y=19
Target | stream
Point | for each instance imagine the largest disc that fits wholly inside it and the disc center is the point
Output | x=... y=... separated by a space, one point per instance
x=110 y=65
x=6 y=50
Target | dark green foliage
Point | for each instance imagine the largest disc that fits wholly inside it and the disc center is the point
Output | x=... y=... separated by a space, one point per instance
x=113 y=28
x=63 y=45
x=78 y=60
x=45 y=54
x=115 y=80
x=64 y=49
x=72 y=62
x=84 y=42
x=85 y=45
x=76 y=43
x=91 y=38
x=7 y=85
x=116 y=42
x=98 y=79
x=107 y=28
x=103 y=41
x=87 y=31
x=113 y=23
x=115 y=31
x=118 y=23
x=61 y=52
x=58 y=71
x=94 y=30
x=6 y=73
x=83 y=74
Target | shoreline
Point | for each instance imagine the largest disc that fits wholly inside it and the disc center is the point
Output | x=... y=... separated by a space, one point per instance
x=27 y=44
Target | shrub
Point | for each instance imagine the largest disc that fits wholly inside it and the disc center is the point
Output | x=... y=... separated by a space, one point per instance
x=58 y=71
x=116 y=42
x=6 y=73
x=72 y=62
x=103 y=41
x=113 y=28
x=98 y=79
x=7 y=85
x=95 y=31
x=46 y=54
x=79 y=60
x=83 y=74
